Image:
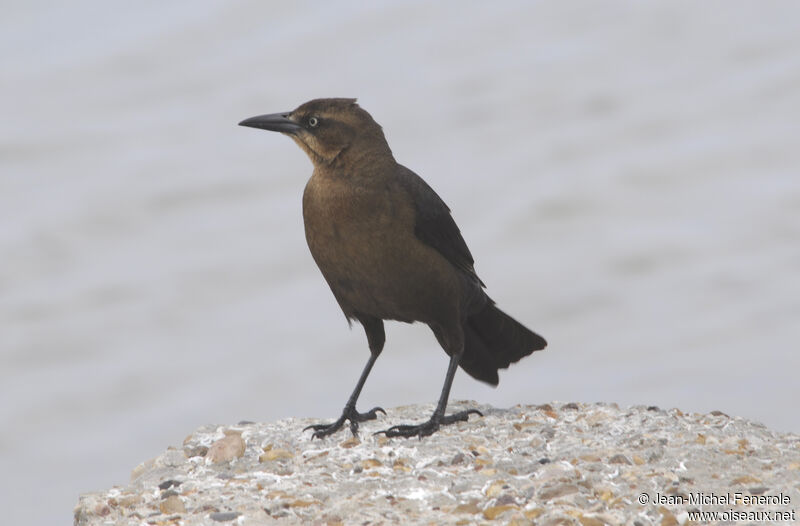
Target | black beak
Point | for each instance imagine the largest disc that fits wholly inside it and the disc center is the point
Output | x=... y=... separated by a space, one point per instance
x=278 y=122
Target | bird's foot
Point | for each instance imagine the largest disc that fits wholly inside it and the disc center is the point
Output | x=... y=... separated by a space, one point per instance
x=349 y=413
x=430 y=427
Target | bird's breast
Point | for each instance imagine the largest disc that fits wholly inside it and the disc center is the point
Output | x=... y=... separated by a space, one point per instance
x=362 y=239
x=348 y=221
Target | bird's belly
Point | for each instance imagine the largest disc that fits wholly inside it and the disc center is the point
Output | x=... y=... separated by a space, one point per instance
x=383 y=272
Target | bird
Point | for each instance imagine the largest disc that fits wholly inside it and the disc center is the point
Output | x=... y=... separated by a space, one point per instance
x=389 y=249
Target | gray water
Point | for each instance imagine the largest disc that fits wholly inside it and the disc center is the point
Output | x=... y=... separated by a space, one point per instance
x=626 y=175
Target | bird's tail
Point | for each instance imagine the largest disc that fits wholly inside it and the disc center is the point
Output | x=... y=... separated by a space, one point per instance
x=494 y=340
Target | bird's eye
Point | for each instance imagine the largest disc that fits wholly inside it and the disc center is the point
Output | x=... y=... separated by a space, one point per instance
x=313 y=122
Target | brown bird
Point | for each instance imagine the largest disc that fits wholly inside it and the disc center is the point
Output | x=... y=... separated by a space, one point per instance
x=390 y=250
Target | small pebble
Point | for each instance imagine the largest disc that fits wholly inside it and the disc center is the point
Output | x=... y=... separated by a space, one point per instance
x=458 y=459
x=169 y=484
x=224 y=516
x=172 y=504
x=619 y=459
x=226 y=449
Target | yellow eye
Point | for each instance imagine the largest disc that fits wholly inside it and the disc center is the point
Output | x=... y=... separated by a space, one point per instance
x=313 y=122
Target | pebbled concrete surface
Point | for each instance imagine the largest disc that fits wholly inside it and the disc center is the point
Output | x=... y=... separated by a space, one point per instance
x=552 y=464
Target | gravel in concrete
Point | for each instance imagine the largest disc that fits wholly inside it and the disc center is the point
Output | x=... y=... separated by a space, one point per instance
x=552 y=464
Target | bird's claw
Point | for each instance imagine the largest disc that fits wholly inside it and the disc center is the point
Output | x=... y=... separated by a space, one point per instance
x=430 y=427
x=349 y=414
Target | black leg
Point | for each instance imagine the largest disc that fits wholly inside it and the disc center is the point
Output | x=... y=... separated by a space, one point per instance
x=438 y=418
x=350 y=413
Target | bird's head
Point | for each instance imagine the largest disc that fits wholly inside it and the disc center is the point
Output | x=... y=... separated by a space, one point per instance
x=326 y=129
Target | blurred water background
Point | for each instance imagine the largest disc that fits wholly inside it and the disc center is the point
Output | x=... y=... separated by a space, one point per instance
x=626 y=175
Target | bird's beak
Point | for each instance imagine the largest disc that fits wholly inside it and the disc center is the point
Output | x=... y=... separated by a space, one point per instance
x=278 y=122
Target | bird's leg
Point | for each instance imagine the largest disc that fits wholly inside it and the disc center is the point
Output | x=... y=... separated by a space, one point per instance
x=438 y=418
x=349 y=412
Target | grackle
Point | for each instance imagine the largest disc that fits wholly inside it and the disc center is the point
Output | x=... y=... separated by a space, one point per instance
x=390 y=250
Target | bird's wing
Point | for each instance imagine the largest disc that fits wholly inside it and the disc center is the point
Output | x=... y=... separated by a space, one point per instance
x=434 y=225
